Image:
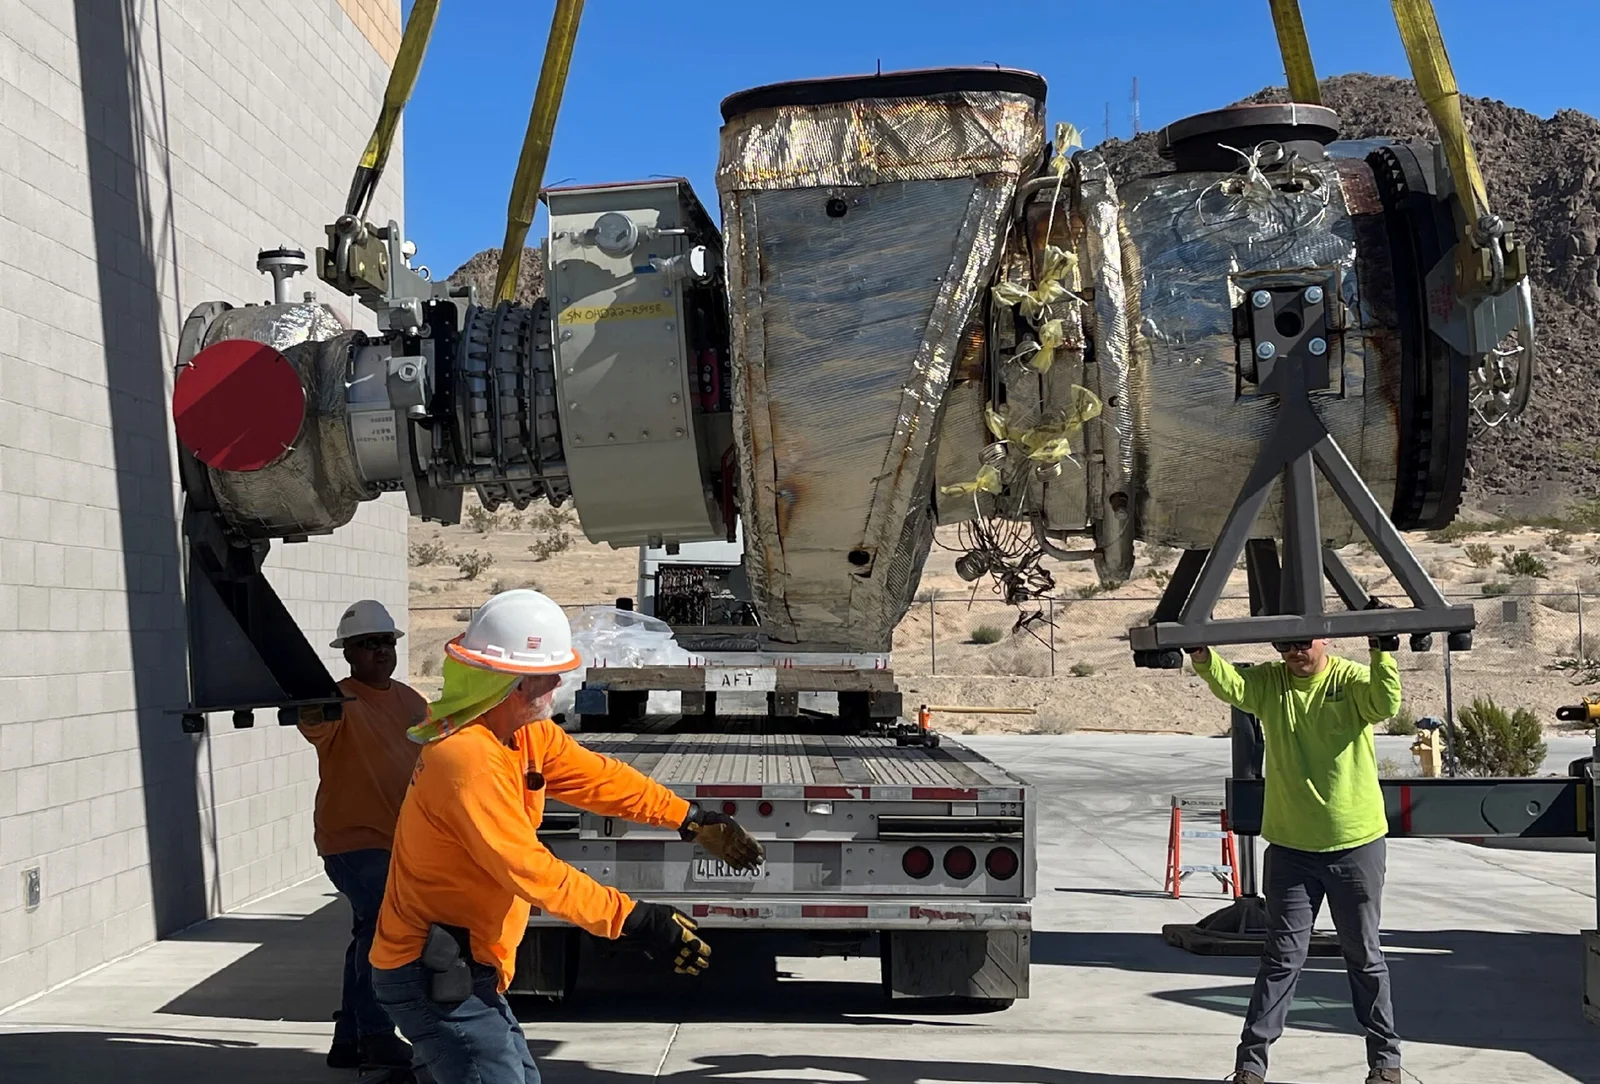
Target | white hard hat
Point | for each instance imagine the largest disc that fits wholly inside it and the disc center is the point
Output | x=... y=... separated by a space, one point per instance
x=517 y=632
x=363 y=618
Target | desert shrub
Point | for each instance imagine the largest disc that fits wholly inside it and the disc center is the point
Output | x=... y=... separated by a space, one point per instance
x=1404 y=723
x=1390 y=768
x=1159 y=576
x=462 y=615
x=427 y=553
x=1158 y=554
x=987 y=634
x=473 y=564
x=1089 y=590
x=1438 y=569
x=549 y=519
x=1017 y=659
x=1559 y=541
x=550 y=544
x=482 y=520
x=429 y=666
x=1585 y=515
x=1515 y=562
x=1455 y=531
x=1481 y=554
x=1493 y=742
x=1496 y=588
x=1081 y=669
x=497 y=586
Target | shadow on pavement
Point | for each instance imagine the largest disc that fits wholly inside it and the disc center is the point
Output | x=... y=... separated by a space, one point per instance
x=146 y=1058
x=1515 y=992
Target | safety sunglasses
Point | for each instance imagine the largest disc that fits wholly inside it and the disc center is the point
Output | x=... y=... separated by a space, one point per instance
x=1283 y=647
x=371 y=643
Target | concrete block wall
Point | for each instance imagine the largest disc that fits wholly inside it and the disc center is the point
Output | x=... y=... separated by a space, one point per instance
x=148 y=149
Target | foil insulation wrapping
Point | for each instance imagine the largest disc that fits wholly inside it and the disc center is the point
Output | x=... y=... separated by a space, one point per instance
x=1111 y=435
x=315 y=486
x=1189 y=252
x=846 y=327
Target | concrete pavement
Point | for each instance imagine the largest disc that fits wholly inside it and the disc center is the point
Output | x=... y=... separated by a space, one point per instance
x=1483 y=945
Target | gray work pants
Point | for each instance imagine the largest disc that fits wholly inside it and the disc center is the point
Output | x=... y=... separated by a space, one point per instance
x=1297 y=882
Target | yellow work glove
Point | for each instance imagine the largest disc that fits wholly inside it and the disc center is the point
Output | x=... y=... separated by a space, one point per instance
x=723 y=837
x=665 y=933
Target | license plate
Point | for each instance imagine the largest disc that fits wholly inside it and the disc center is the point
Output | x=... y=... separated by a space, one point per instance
x=715 y=871
x=741 y=679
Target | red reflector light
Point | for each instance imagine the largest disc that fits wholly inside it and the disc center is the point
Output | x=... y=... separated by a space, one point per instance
x=730 y=808
x=1002 y=863
x=765 y=809
x=918 y=862
x=960 y=863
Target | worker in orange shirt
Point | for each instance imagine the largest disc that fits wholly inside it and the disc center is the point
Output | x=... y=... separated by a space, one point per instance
x=468 y=863
x=364 y=762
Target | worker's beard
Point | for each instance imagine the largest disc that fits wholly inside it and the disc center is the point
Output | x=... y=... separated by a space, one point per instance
x=540 y=707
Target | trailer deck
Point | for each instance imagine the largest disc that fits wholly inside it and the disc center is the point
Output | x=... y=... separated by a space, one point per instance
x=705 y=764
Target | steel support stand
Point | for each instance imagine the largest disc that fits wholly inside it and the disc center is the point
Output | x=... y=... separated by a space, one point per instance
x=1591 y=938
x=1298 y=448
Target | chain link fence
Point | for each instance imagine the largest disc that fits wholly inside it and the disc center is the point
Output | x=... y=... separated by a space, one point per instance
x=984 y=637
x=1519 y=641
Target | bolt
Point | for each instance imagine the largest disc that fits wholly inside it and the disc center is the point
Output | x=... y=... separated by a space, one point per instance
x=677 y=432
x=566 y=300
x=565 y=335
x=1314 y=295
x=572 y=406
x=611 y=436
x=1266 y=351
x=1318 y=347
x=577 y=440
x=674 y=398
x=570 y=370
x=644 y=433
x=669 y=327
x=666 y=293
x=1261 y=299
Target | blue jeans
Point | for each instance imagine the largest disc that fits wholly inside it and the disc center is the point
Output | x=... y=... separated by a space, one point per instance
x=360 y=876
x=477 y=1041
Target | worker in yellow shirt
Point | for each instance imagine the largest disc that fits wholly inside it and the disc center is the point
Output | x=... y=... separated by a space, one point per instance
x=1325 y=826
x=364 y=762
x=468 y=863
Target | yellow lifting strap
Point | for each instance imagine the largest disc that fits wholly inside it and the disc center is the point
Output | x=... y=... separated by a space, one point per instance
x=1430 y=68
x=536 y=144
x=1296 y=52
x=402 y=78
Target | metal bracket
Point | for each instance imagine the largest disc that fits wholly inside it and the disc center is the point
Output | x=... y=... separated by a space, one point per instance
x=1292 y=596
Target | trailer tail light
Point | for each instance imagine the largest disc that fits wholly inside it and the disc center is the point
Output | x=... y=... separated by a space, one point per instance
x=960 y=863
x=918 y=862
x=765 y=809
x=730 y=808
x=1002 y=863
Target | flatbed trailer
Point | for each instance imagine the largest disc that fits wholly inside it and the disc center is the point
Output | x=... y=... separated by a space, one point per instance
x=923 y=854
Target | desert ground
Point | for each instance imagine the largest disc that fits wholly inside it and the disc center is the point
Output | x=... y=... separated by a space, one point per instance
x=1534 y=587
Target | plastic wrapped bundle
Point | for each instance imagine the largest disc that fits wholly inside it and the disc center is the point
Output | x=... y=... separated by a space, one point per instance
x=607 y=636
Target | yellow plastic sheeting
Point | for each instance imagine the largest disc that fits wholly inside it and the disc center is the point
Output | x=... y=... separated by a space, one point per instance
x=536 y=144
x=1296 y=50
x=402 y=79
x=1430 y=67
x=987 y=481
x=1051 y=440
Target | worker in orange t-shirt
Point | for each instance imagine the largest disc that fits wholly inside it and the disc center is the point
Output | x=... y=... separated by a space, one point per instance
x=468 y=864
x=364 y=762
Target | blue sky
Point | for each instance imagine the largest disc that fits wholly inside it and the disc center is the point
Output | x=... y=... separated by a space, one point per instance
x=646 y=79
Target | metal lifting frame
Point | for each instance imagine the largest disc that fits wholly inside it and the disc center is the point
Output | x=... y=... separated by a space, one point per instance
x=1287 y=603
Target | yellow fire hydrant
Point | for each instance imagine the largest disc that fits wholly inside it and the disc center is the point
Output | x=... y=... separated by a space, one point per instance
x=1429 y=751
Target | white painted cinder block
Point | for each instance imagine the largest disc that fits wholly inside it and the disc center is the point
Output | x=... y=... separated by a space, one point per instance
x=263 y=111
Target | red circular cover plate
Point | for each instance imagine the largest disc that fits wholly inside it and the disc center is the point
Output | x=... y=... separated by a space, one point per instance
x=238 y=405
